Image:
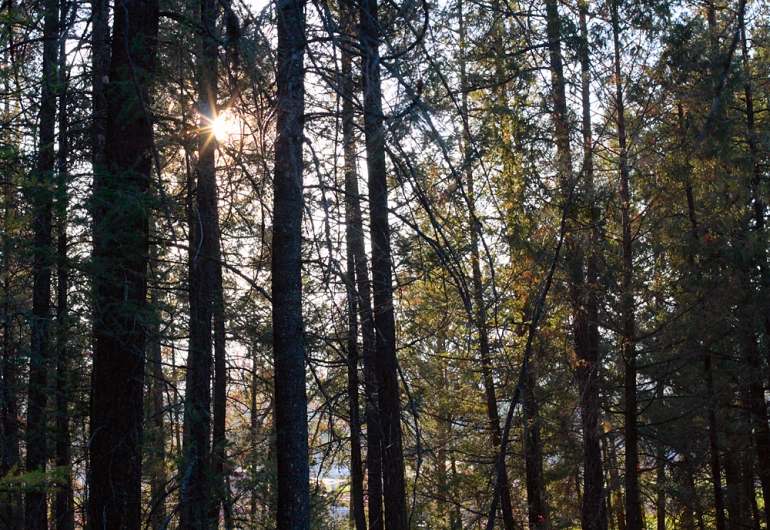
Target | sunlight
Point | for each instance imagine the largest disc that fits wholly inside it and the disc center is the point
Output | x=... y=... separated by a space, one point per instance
x=225 y=126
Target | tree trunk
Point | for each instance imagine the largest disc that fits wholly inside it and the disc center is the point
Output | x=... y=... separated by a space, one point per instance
x=538 y=516
x=288 y=335
x=221 y=480
x=736 y=502
x=594 y=516
x=11 y=509
x=714 y=460
x=384 y=319
x=120 y=256
x=198 y=488
x=155 y=435
x=758 y=405
x=634 y=519
x=352 y=226
x=363 y=304
x=660 y=479
x=35 y=507
x=478 y=308
x=65 y=504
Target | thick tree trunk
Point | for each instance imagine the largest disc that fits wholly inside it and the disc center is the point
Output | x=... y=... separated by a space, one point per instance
x=288 y=334
x=120 y=258
x=35 y=508
x=387 y=364
x=736 y=502
x=353 y=230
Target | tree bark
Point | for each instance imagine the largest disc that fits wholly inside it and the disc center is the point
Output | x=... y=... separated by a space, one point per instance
x=288 y=335
x=11 y=509
x=634 y=520
x=537 y=511
x=155 y=435
x=120 y=256
x=660 y=485
x=65 y=504
x=478 y=307
x=35 y=508
x=363 y=299
x=594 y=511
x=219 y=443
x=382 y=281
x=757 y=402
x=198 y=488
x=353 y=230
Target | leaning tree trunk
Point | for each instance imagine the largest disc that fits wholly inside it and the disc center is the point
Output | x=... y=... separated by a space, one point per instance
x=382 y=281
x=35 y=508
x=120 y=256
x=288 y=335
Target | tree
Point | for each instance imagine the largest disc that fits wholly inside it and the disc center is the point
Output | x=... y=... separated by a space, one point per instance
x=389 y=398
x=288 y=335
x=120 y=255
x=35 y=509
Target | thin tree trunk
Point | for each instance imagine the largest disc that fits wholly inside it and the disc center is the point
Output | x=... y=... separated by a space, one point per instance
x=594 y=516
x=35 y=508
x=387 y=364
x=155 y=466
x=660 y=479
x=363 y=301
x=65 y=504
x=198 y=488
x=12 y=508
x=120 y=255
x=221 y=479
x=478 y=309
x=634 y=519
x=254 y=426
x=614 y=492
x=758 y=405
x=352 y=226
x=537 y=511
x=288 y=335
x=714 y=460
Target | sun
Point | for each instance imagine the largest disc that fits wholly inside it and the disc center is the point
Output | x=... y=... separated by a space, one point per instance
x=226 y=126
